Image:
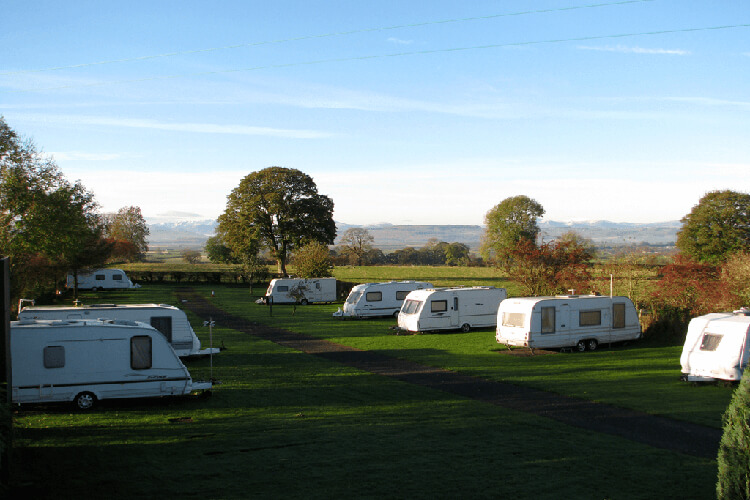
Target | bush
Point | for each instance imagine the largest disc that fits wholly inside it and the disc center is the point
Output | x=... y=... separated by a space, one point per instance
x=734 y=451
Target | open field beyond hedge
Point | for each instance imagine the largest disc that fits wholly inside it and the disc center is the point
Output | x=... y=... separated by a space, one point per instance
x=284 y=423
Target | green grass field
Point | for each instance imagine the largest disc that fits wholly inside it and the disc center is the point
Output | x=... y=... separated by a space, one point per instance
x=283 y=423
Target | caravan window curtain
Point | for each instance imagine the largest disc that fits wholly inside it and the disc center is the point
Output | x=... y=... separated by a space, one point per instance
x=618 y=315
x=374 y=296
x=590 y=318
x=140 y=352
x=548 y=319
x=438 y=306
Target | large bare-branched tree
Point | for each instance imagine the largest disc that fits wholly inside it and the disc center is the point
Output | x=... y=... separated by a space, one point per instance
x=356 y=242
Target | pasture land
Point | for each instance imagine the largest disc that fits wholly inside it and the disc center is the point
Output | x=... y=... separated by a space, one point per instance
x=283 y=423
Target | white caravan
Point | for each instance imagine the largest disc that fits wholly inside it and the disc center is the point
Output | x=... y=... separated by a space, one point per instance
x=169 y=320
x=451 y=309
x=716 y=347
x=86 y=361
x=281 y=290
x=580 y=321
x=378 y=299
x=101 y=279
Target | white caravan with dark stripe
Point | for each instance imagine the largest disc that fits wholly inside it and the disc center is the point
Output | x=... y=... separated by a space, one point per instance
x=378 y=299
x=451 y=309
x=87 y=361
x=169 y=320
x=580 y=321
x=101 y=279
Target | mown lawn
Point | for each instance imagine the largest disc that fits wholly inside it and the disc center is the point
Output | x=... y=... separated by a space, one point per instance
x=639 y=376
x=283 y=423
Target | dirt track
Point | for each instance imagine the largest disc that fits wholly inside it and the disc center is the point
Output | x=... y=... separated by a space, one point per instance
x=659 y=432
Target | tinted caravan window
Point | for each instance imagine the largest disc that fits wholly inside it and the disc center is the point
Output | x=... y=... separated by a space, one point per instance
x=140 y=352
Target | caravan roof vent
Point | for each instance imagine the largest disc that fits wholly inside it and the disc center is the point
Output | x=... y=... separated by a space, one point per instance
x=743 y=311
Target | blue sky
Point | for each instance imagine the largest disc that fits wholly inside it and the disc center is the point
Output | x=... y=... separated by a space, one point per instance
x=407 y=112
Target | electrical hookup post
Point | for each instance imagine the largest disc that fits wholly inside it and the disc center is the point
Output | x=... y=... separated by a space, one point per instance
x=210 y=324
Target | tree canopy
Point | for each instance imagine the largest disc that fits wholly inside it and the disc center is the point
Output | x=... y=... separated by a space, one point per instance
x=129 y=225
x=48 y=226
x=716 y=227
x=277 y=208
x=313 y=261
x=512 y=220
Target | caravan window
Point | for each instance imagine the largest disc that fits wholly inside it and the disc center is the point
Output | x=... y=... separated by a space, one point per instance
x=283 y=288
x=514 y=319
x=164 y=325
x=374 y=296
x=353 y=297
x=99 y=277
x=618 y=315
x=548 y=319
x=401 y=294
x=411 y=307
x=590 y=318
x=140 y=352
x=54 y=356
x=710 y=342
x=117 y=277
x=437 y=306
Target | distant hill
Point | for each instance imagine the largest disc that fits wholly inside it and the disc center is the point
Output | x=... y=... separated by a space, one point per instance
x=389 y=237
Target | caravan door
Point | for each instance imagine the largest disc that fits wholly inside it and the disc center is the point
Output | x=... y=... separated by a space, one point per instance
x=563 y=324
x=441 y=313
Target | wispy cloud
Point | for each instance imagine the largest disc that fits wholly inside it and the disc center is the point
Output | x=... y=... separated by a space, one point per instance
x=81 y=156
x=636 y=50
x=202 y=128
x=399 y=41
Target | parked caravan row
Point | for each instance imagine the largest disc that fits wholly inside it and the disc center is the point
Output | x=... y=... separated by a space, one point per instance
x=101 y=279
x=378 y=299
x=451 y=308
x=85 y=361
x=716 y=347
x=300 y=290
x=580 y=321
x=169 y=320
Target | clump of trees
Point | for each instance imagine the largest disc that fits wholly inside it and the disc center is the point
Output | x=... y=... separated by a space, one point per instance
x=718 y=226
x=511 y=241
x=127 y=231
x=191 y=256
x=48 y=225
x=313 y=261
x=277 y=209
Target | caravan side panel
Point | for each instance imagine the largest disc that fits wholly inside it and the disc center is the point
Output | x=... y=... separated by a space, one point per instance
x=59 y=360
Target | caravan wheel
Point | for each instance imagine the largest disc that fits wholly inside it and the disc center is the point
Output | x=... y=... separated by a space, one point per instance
x=465 y=327
x=592 y=344
x=303 y=302
x=395 y=314
x=94 y=289
x=85 y=401
x=581 y=345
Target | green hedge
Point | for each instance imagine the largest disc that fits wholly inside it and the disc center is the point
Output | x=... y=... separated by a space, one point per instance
x=734 y=451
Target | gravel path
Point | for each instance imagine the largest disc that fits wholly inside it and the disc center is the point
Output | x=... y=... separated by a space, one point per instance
x=659 y=432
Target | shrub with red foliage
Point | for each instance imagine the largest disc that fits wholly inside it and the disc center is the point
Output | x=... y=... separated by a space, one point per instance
x=549 y=268
x=693 y=287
